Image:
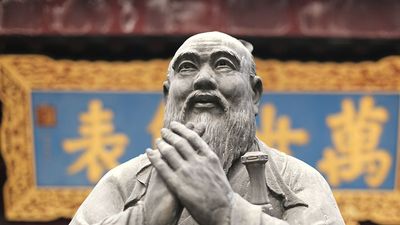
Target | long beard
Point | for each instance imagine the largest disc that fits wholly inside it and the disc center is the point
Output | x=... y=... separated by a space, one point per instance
x=229 y=135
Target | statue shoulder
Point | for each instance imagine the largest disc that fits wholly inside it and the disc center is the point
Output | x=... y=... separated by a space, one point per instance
x=293 y=171
x=114 y=191
x=130 y=168
x=126 y=175
x=301 y=176
x=279 y=158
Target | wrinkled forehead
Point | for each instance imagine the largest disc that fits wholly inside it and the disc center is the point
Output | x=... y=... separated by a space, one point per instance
x=207 y=43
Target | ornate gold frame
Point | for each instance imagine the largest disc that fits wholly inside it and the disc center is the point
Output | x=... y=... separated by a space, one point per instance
x=20 y=74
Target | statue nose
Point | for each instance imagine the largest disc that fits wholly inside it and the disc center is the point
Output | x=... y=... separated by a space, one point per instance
x=205 y=81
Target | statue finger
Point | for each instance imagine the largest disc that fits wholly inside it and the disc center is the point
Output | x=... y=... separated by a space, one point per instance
x=198 y=128
x=180 y=144
x=190 y=125
x=166 y=173
x=170 y=154
x=192 y=137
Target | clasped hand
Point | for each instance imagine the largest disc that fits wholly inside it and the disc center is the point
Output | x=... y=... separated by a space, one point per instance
x=192 y=172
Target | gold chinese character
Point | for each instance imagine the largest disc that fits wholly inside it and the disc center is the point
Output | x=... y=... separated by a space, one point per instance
x=101 y=146
x=277 y=132
x=355 y=137
x=157 y=123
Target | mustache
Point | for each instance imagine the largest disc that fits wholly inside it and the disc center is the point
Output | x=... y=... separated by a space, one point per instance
x=208 y=96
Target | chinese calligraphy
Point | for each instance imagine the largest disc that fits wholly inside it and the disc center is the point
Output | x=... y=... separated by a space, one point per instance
x=101 y=146
x=355 y=138
x=277 y=132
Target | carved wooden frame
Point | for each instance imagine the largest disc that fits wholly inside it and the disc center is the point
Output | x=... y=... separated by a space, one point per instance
x=20 y=74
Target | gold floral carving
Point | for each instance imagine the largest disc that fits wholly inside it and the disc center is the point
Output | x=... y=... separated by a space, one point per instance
x=20 y=74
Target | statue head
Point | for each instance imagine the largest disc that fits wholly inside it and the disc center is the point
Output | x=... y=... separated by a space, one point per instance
x=212 y=80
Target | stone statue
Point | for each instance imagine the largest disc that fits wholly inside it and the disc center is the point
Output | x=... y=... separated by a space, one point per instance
x=208 y=167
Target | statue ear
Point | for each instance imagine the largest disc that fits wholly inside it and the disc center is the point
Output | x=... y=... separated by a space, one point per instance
x=166 y=88
x=247 y=44
x=256 y=85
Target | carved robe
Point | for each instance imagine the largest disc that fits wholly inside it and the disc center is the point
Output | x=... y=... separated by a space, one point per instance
x=296 y=191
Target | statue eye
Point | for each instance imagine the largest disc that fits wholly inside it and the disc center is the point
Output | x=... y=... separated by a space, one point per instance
x=186 y=66
x=224 y=64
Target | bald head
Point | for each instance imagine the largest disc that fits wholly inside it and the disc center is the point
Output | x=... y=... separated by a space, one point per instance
x=209 y=42
x=216 y=39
